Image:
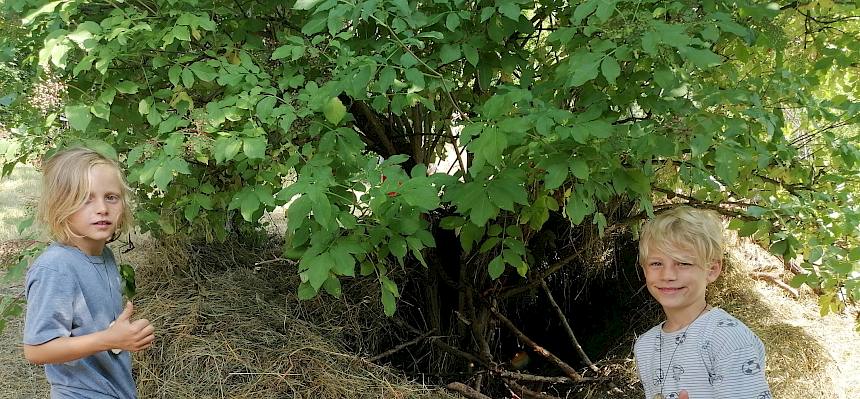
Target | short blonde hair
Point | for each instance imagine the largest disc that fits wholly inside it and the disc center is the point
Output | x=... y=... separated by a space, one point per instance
x=684 y=228
x=66 y=186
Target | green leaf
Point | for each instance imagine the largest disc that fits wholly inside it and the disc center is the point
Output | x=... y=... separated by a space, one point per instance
x=580 y=169
x=451 y=222
x=582 y=10
x=305 y=4
x=101 y=110
x=610 y=68
x=496 y=267
x=102 y=148
x=585 y=67
x=265 y=107
x=143 y=107
x=333 y=287
x=408 y=60
x=452 y=21
x=306 y=291
x=556 y=173
x=488 y=147
x=389 y=303
x=187 y=78
x=449 y=53
x=471 y=54
x=173 y=74
x=254 y=147
x=127 y=87
x=79 y=116
x=45 y=9
x=318 y=268
x=510 y=10
x=204 y=71
x=700 y=57
x=334 y=110
x=344 y=263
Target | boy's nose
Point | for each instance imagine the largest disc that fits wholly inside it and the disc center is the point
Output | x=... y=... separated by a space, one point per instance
x=669 y=272
x=101 y=206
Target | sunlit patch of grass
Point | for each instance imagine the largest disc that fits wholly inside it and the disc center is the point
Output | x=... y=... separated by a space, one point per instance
x=18 y=195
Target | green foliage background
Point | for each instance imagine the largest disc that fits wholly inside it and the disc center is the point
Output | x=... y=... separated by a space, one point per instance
x=226 y=109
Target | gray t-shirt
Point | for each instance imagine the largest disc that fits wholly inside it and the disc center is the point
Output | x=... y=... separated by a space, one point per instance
x=717 y=356
x=70 y=294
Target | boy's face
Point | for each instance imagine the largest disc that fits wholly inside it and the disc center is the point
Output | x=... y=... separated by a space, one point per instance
x=675 y=281
x=96 y=221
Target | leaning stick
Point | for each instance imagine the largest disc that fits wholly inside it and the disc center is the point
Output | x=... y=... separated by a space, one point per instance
x=466 y=391
x=400 y=347
x=537 y=348
x=775 y=280
x=567 y=328
x=528 y=393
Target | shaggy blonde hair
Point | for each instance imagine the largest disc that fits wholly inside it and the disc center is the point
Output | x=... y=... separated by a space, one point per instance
x=66 y=187
x=684 y=229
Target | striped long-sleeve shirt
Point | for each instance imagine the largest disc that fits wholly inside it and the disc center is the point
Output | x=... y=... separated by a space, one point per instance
x=716 y=357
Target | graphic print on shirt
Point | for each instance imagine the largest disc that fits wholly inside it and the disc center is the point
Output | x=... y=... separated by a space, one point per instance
x=751 y=367
x=658 y=378
x=709 y=359
x=673 y=395
x=727 y=322
x=677 y=371
x=764 y=395
x=681 y=338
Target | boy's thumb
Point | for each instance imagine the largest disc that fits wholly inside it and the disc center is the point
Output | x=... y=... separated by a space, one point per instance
x=684 y=395
x=126 y=313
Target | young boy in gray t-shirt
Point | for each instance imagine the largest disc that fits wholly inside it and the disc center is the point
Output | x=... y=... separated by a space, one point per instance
x=75 y=323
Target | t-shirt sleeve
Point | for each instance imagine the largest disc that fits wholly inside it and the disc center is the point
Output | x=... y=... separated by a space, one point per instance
x=741 y=374
x=50 y=305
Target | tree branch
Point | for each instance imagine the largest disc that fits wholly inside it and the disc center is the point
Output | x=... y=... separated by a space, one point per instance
x=569 y=371
x=567 y=328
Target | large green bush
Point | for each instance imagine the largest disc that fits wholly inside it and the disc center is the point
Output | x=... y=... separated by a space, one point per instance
x=602 y=111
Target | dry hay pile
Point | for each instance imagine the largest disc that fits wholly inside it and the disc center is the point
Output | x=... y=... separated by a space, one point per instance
x=227 y=329
x=796 y=361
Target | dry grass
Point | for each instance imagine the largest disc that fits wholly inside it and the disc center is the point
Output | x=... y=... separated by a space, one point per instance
x=229 y=330
x=808 y=356
x=18 y=194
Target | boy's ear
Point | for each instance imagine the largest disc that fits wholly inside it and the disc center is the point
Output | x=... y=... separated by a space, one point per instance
x=715 y=270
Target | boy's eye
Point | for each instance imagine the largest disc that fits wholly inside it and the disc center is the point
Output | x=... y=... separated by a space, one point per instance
x=655 y=264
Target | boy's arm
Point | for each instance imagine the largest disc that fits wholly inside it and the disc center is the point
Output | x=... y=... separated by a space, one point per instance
x=741 y=374
x=123 y=334
x=65 y=349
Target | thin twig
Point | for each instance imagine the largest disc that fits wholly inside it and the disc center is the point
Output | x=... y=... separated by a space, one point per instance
x=466 y=391
x=567 y=328
x=401 y=346
x=569 y=371
x=524 y=392
x=777 y=281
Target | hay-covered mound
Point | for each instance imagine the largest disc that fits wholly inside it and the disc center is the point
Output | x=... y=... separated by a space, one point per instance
x=228 y=329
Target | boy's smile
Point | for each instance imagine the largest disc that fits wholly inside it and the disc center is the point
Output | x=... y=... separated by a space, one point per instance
x=678 y=284
x=96 y=221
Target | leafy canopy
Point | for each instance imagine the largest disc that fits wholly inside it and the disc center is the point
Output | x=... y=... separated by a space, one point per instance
x=342 y=108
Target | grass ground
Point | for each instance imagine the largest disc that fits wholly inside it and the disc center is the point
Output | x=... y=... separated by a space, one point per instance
x=809 y=356
x=18 y=379
x=18 y=192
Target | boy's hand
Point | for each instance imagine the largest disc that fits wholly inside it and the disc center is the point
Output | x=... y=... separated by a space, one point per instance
x=683 y=395
x=130 y=335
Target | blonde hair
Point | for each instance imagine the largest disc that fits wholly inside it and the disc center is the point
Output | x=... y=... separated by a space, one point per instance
x=684 y=229
x=66 y=186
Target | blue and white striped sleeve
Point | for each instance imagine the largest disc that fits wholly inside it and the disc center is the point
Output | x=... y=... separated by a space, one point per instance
x=742 y=373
